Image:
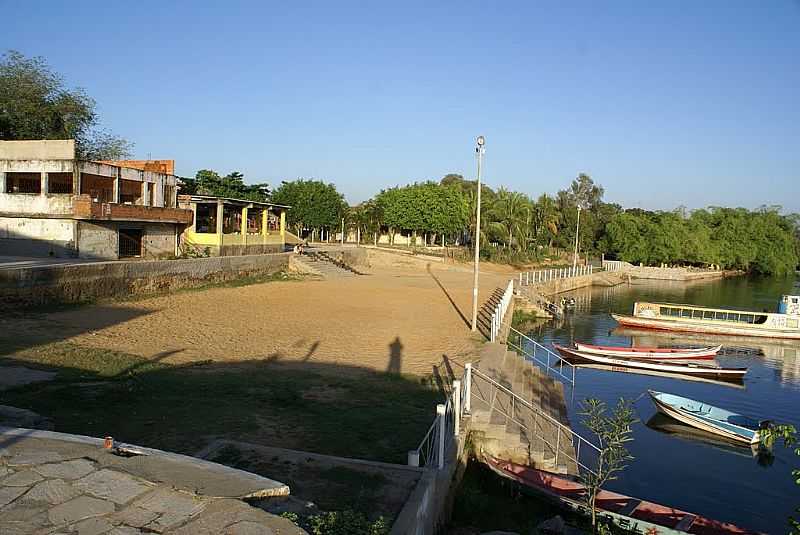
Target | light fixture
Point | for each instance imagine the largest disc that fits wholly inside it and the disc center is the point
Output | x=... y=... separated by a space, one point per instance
x=481 y=141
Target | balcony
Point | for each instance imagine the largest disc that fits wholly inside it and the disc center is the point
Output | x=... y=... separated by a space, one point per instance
x=84 y=208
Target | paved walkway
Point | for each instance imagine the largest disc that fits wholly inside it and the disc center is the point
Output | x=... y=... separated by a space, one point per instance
x=62 y=484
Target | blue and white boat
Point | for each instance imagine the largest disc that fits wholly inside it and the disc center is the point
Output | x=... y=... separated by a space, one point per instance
x=712 y=419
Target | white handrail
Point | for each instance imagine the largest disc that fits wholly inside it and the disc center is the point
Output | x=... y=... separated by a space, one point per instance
x=577 y=440
x=529 y=278
x=500 y=311
x=553 y=363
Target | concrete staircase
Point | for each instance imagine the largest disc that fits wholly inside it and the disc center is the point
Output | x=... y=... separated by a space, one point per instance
x=321 y=264
x=507 y=428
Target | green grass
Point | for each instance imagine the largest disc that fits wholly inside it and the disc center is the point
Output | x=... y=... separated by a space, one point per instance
x=321 y=408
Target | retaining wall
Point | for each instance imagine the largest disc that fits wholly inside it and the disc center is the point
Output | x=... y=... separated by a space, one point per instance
x=90 y=281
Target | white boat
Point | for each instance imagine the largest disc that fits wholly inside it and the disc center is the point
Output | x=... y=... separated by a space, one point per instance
x=720 y=422
x=656 y=353
x=689 y=318
x=688 y=369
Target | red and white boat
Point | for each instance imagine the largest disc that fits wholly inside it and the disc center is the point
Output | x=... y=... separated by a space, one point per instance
x=709 y=371
x=655 y=353
x=638 y=516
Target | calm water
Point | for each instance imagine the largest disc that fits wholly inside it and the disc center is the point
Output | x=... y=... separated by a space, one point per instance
x=683 y=470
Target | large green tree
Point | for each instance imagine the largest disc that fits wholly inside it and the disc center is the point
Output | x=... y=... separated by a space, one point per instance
x=232 y=185
x=314 y=204
x=36 y=104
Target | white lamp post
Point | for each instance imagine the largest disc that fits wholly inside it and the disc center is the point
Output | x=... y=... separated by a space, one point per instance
x=479 y=150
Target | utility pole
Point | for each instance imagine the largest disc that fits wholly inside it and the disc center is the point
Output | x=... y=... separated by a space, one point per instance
x=479 y=150
x=577 y=228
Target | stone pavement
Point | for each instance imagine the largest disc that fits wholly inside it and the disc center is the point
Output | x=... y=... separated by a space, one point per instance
x=52 y=483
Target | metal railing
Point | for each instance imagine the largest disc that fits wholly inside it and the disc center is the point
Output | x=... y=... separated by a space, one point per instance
x=528 y=278
x=536 y=423
x=532 y=350
x=446 y=425
x=616 y=265
x=500 y=311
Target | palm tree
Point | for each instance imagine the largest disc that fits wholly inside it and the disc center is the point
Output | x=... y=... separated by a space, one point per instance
x=546 y=219
x=509 y=217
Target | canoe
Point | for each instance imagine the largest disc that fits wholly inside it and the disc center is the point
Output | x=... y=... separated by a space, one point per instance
x=657 y=353
x=690 y=369
x=635 y=515
x=720 y=422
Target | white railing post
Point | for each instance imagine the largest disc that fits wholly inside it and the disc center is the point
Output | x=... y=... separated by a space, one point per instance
x=440 y=416
x=456 y=407
x=413 y=458
x=467 y=387
x=520 y=278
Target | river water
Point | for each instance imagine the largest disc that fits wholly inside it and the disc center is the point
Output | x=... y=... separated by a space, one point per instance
x=672 y=465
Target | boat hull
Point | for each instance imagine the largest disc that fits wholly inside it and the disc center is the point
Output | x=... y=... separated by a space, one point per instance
x=705 y=353
x=705 y=424
x=733 y=374
x=660 y=324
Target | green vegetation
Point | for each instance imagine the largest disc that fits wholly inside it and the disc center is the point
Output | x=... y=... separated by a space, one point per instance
x=207 y=182
x=612 y=431
x=787 y=434
x=35 y=104
x=315 y=205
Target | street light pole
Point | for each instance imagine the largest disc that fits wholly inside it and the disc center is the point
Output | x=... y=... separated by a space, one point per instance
x=479 y=150
x=577 y=228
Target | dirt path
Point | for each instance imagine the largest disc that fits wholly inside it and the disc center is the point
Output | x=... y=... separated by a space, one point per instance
x=394 y=320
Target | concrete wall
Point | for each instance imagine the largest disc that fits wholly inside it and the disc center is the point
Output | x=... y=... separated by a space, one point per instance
x=37 y=237
x=32 y=205
x=158 y=240
x=86 y=282
x=51 y=149
x=97 y=241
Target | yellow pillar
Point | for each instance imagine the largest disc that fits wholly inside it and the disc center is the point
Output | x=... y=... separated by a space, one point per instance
x=243 y=226
x=264 y=222
x=283 y=226
x=220 y=218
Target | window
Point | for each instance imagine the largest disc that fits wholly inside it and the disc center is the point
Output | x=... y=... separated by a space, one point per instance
x=720 y=316
x=24 y=183
x=169 y=196
x=686 y=313
x=708 y=314
x=231 y=219
x=254 y=216
x=792 y=324
x=150 y=188
x=130 y=242
x=273 y=222
x=100 y=189
x=206 y=222
x=59 y=183
x=130 y=192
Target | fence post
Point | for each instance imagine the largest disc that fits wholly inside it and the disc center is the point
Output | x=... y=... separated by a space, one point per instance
x=520 y=278
x=413 y=458
x=456 y=407
x=467 y=387
x=440 y=416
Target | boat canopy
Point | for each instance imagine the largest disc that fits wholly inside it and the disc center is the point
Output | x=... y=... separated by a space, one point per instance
x=789 y=304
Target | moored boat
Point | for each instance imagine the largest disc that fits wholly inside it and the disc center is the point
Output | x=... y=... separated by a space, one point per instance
x=785 y=323
x=683 y=368
x=656 y=353
x=635 y=515
x=720 y=422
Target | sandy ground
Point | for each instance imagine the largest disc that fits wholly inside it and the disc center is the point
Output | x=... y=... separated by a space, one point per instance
x=400 y=320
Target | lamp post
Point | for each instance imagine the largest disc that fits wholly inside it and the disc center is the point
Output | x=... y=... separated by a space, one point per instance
x=577 y=228
x=479 y=149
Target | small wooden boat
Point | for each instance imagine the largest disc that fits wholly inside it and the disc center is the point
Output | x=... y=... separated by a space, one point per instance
x=712 y=419
x=637 y=516
x=689 y=369
x=656 y=353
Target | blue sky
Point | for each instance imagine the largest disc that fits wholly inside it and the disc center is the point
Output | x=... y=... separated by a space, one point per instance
x=663 y=103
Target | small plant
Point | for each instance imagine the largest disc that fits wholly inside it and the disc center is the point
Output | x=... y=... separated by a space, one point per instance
x=788 y=434
x=346 y=523
x=613 y=431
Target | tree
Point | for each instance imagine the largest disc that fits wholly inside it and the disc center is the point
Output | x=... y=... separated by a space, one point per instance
x=314 y=204
x=35 y=104
x=613 y=431
x=208 y=182
x=509 y=215
x=788 y=434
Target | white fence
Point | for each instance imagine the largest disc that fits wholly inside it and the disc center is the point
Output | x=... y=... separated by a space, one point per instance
x=500 y=311
x=616 y=265
x=447 y=425
x=527 y=278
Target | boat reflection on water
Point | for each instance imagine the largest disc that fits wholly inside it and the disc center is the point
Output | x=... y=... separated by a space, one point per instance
x=669 y=426
x=781 y=355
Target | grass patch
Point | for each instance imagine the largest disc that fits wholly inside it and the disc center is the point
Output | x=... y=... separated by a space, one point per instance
x=180 y=408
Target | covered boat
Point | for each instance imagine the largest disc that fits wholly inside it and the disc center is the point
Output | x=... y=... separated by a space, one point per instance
x=657 y=353
x=635 y=515
x=684 y=368
x=712 y=419
x=689 y=318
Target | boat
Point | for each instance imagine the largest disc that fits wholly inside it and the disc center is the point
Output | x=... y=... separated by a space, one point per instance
x=721 y=422
x=657 y=353
x=632 y=514
x=711 y=371
x=785 y=323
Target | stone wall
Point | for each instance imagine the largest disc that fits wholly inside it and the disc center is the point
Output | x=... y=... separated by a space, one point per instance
x=98 y=280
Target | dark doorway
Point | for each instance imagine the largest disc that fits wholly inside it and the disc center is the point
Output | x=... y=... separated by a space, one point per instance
x=130 y=242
